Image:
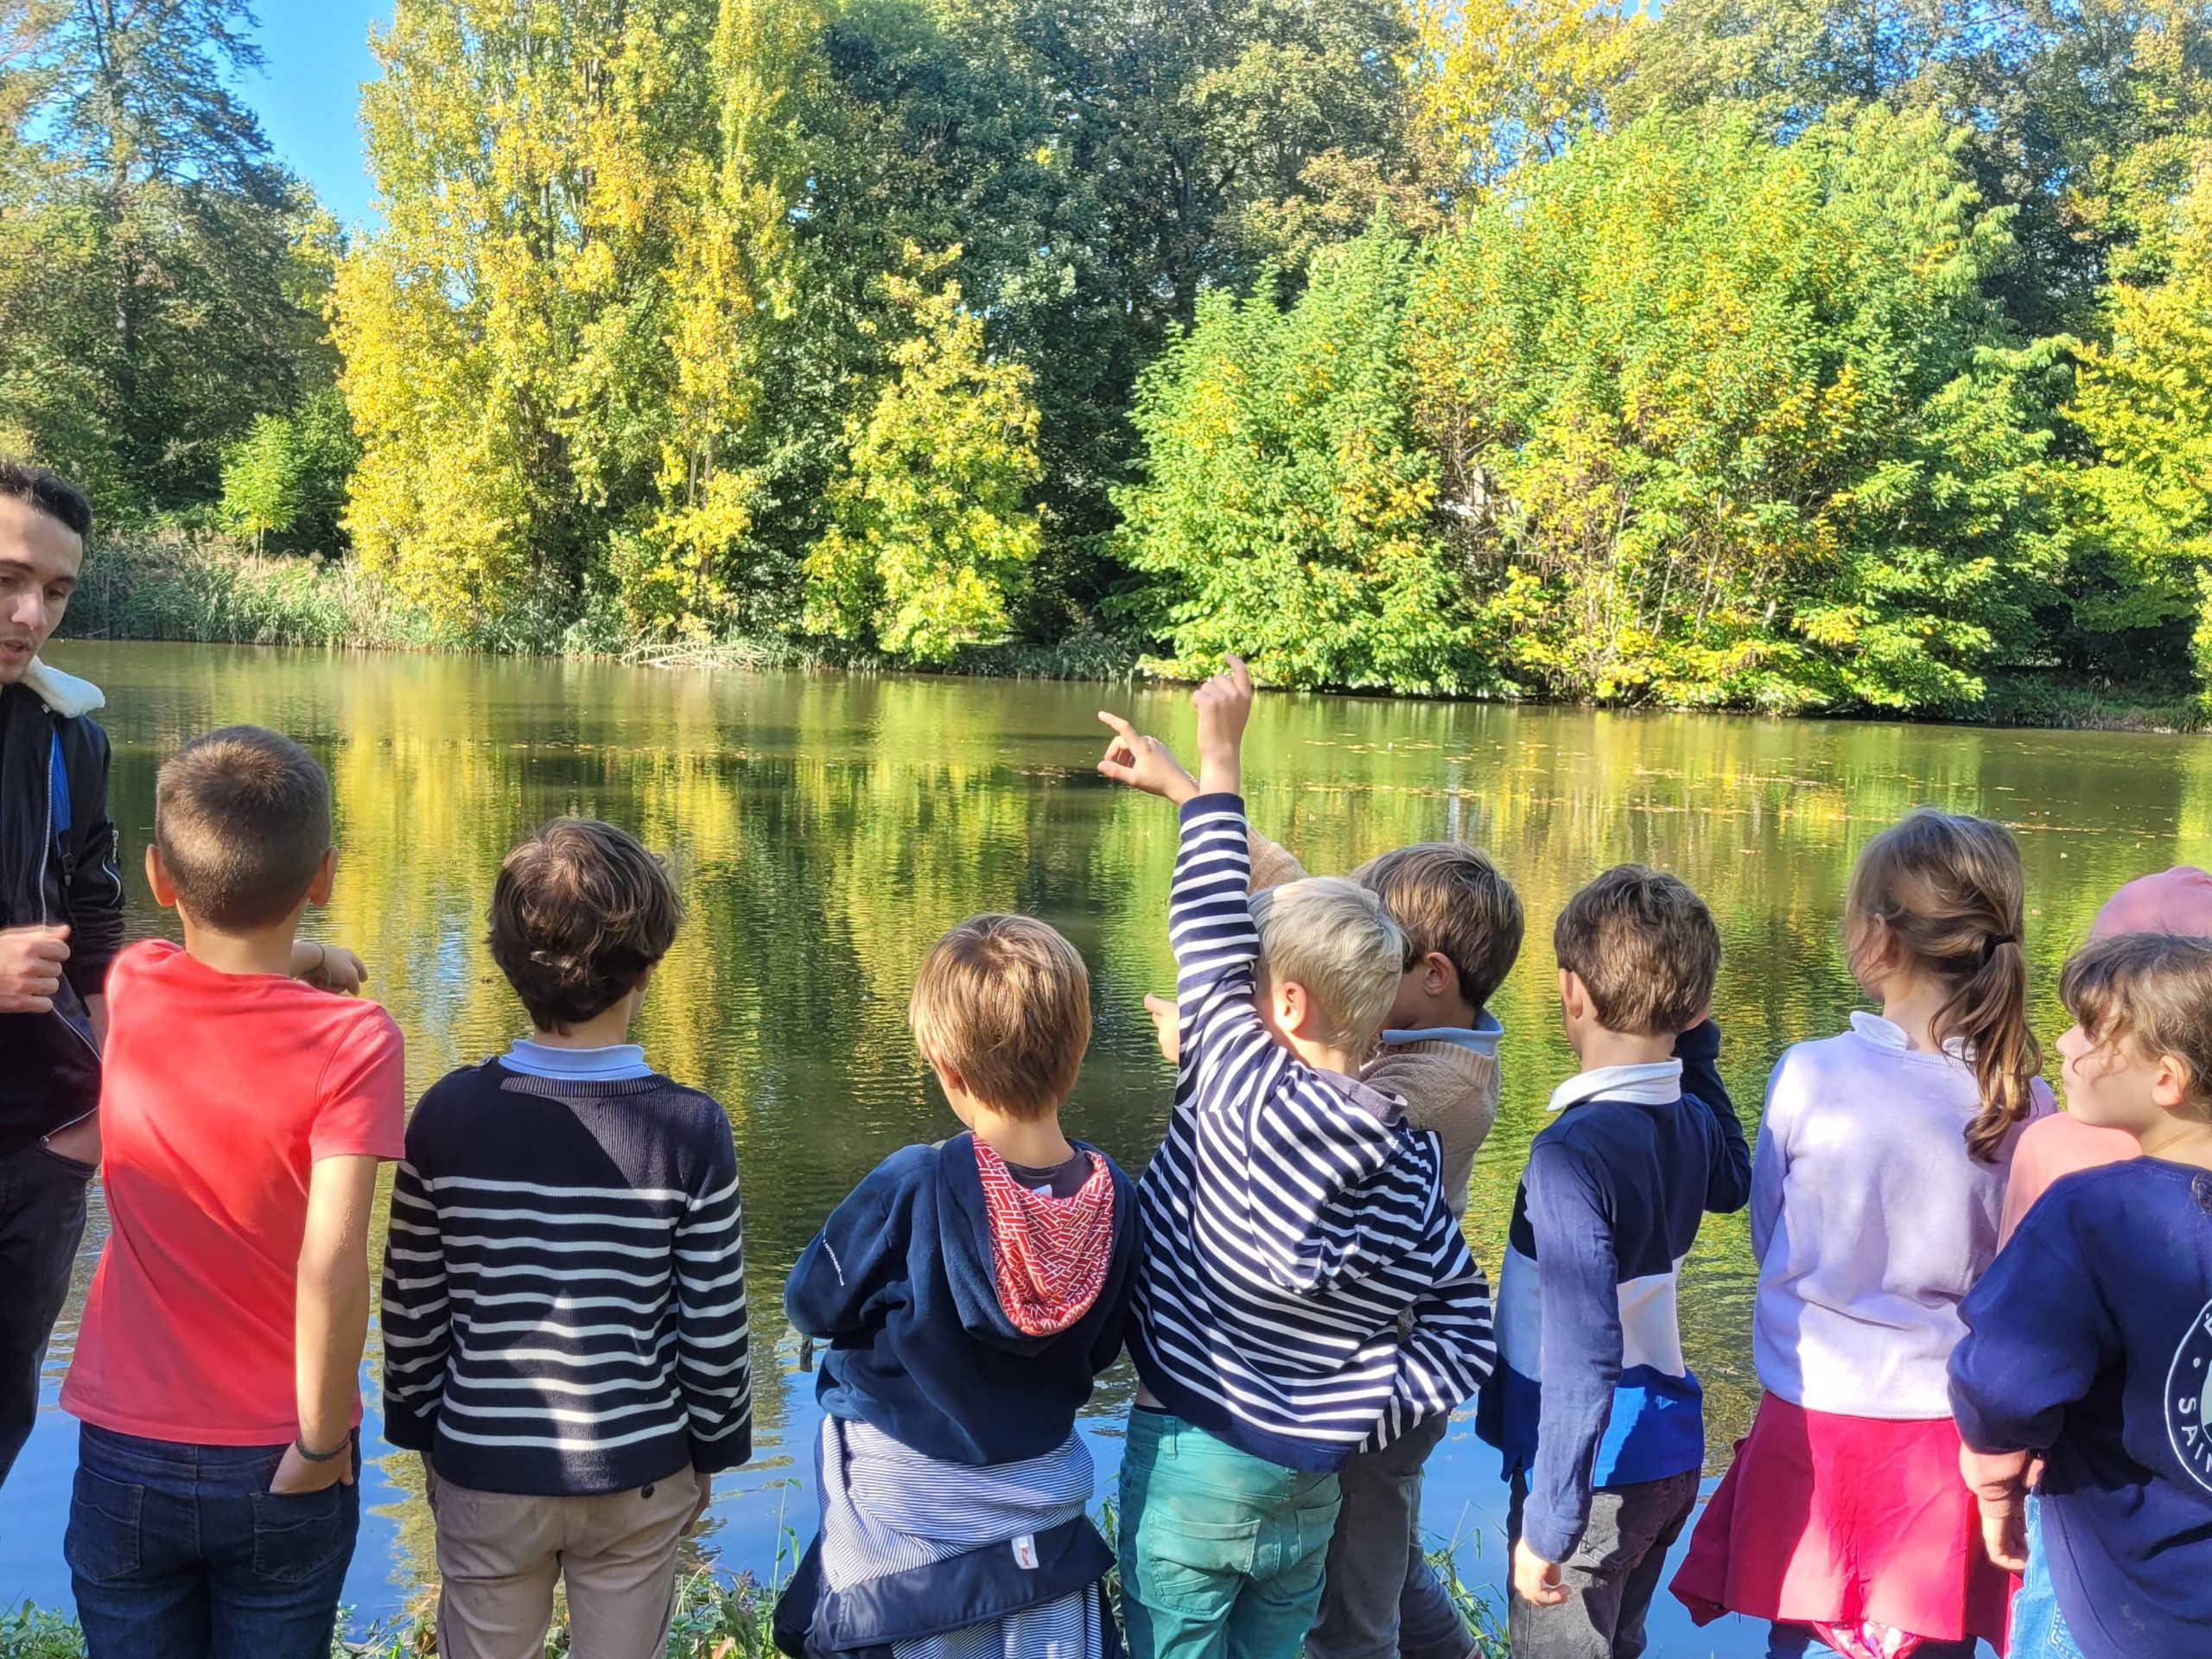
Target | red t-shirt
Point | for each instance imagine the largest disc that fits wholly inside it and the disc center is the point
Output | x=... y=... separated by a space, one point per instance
x=218 y=1092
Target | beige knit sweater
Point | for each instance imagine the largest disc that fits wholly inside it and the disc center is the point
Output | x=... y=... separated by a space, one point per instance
x=1449 y=1089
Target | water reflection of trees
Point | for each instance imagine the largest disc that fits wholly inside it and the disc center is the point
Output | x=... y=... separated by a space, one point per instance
x=826 y=830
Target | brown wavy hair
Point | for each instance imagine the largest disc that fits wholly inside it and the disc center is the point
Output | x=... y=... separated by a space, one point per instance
x=1941 y=893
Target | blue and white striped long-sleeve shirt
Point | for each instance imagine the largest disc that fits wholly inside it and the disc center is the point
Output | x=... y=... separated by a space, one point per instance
x=564 y=1306
x=1305 y=1288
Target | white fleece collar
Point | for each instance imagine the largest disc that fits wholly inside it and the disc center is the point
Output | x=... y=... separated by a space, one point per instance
x=64 y=693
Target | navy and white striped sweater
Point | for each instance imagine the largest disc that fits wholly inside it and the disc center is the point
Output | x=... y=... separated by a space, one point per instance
x=564 y=1304
x=1304 y=1287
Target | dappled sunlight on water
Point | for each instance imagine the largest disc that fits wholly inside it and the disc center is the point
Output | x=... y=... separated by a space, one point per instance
x=825 y=830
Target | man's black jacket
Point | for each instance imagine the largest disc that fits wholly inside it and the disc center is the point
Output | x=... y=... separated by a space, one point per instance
x=58 y=864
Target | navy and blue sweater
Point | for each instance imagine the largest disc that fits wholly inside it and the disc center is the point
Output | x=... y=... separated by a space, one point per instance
x=1592 y=1391
x=1304 y=1287
x=901 y=1282
x=2090 y=1340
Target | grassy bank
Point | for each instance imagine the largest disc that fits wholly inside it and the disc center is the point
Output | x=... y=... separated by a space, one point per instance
x=715 y=1618
x=172 y=586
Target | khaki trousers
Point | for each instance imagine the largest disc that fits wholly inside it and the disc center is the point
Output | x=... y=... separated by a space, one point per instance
x=500 y=1555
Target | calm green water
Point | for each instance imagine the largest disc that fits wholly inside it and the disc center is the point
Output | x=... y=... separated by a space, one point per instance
x=826 y=830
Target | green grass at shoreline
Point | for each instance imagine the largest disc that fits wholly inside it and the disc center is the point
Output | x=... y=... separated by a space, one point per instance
x=715 y=1618
x=174 y=587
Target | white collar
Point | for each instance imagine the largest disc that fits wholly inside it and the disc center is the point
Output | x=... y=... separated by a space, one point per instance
x=1887 y=1033
x=616 y=1063
x=68 y=695
x=1652 y=1084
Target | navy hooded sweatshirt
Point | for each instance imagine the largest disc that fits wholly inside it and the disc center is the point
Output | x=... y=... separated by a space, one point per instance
x=901 y=1282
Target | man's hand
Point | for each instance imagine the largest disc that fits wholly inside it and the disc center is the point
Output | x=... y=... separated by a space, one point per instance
x=1167 y=1026
x=1536 y=1580
x=328 y=967
x=30 y=968
x=1224 y=703
x=1144 y=763
x=296 y=1474
x=706 y=1496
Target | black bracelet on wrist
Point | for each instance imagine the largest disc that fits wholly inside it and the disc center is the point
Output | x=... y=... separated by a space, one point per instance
x=300 y=1446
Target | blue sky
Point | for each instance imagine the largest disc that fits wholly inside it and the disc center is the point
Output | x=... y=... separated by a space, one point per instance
x=308 y=97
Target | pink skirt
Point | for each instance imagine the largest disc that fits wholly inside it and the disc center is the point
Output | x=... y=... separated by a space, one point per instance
x=1849 y=1523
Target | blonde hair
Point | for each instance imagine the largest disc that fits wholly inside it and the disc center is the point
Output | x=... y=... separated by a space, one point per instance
x=1946 y=892
x=1337 y=939
x=2153 y=992
x=1644 y=946
x=1005 y=1002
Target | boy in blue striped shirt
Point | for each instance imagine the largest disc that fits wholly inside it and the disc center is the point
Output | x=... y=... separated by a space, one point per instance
x=1304 y=1290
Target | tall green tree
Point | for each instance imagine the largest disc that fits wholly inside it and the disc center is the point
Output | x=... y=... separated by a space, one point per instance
x=158 y=287
x=2145 y=400
x=930 y=532
x=1287 y=506
x=1725 y=421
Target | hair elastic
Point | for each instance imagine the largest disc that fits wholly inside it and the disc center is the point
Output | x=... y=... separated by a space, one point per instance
x=1989 y=945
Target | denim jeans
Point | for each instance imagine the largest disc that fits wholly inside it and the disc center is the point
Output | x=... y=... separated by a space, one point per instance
x=1222 y=1552
x=1382 y=1600
x=41 y=1223
x=182 y=1551
x=2038 y=1628
x=1614 y=1571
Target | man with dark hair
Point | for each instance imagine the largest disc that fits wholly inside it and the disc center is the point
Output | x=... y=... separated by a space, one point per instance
x=61 y=924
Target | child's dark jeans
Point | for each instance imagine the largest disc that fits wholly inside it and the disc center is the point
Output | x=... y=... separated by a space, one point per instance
x=183 y=1551
x=1614 y=1573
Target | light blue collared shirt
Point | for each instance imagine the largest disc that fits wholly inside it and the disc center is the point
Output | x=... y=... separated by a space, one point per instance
x=1481 y=1038
x=616 y=1063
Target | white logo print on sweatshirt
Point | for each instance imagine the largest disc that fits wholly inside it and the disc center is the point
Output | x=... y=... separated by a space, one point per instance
x=2189 y=1425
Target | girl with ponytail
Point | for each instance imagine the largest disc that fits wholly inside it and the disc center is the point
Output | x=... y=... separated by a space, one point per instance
x=1876 y=1191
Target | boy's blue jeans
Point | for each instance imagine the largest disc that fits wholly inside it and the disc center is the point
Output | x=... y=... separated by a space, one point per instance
x=1222 y=1552
x=184 y=1551
x=2038 y=1628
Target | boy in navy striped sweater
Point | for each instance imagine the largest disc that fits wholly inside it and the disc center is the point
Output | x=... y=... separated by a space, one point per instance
x=1304 y=1291
x=565 y=1318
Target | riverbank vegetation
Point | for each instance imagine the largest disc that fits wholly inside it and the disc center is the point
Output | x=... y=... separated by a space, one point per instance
x=1806 y=357
x=714 y=1618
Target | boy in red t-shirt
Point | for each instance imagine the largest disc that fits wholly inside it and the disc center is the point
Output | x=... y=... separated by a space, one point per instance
x=242 y=1116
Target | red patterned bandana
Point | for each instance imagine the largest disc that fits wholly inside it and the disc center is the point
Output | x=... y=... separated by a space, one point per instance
x=1048 y=1254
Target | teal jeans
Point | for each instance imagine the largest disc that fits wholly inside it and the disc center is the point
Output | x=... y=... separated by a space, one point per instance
x=1222 y=1552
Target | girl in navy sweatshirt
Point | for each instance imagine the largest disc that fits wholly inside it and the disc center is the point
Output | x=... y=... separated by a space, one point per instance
x=970 y=1292
x=2089 y=1342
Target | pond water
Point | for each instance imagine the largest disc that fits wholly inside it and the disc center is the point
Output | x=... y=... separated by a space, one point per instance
x=826 y=828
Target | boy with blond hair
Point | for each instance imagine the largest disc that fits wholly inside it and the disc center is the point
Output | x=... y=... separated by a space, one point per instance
x=243 y=1114
x=1305 y=1290
x=1462 y=923
x=2089 y=1340
x=1601 y=1421
x=970 y=1293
